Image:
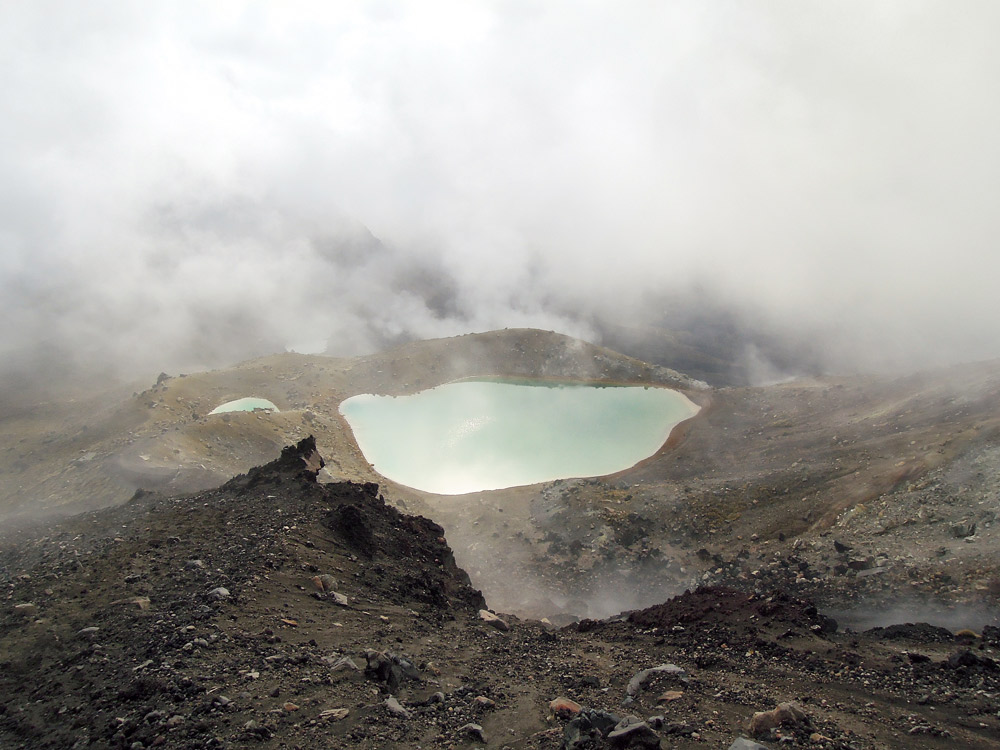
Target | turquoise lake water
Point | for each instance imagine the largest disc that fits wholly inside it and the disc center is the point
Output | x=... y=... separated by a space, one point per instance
x=483 y=435
x=245 y=404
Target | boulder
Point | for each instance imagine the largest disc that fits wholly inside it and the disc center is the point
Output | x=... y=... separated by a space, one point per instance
x=491 y=619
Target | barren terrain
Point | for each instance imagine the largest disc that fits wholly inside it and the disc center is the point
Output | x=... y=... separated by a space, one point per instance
x=278 y=612
x=873 y=498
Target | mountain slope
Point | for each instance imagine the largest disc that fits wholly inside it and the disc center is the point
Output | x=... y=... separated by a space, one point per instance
x=277 y=612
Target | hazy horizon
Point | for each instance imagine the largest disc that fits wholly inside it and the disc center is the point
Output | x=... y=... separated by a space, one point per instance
x=189 y=184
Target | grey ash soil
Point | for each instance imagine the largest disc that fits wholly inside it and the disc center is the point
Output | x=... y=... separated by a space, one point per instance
x=122 y=643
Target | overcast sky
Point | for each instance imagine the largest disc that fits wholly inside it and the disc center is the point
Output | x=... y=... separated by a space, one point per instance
x=179 y=176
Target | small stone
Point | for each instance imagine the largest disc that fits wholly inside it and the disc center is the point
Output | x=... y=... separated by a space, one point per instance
x=344 y=662
x=395 y=708
x=481 y=701
x=634 y=732
x=88 y=632
x=636 y=683
x=491 y=619
x=564 y=708
x=785 y=713
x=475 y=731
x=289 y=706
x=334 y=714
x=579 y=732
x=670 y=695
x=744 y=744
x=27 y=609
x=963 y=530
x=339 y=599
x=219 y=593
x=324 y=582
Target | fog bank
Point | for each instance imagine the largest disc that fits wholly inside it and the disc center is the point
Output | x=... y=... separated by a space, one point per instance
x=184 y=184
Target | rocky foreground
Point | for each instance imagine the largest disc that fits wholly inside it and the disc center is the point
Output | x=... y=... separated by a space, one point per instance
x=276 y=612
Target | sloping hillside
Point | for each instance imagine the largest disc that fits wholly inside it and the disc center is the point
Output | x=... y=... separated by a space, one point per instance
x=278 y=612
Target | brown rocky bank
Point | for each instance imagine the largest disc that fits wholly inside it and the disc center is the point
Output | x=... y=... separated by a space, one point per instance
x=277 y=612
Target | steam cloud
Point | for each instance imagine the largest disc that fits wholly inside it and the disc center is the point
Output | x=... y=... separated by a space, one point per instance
x=187 y=183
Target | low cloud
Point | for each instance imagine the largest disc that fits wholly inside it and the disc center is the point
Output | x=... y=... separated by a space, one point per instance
x=185 y=185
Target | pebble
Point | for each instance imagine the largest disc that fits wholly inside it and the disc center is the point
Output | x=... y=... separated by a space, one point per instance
x=744 y=744
x=219 y=593
x=334 y=714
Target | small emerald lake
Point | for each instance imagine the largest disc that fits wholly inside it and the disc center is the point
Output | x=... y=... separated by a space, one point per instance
x=476 y=435
x=245 y=404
